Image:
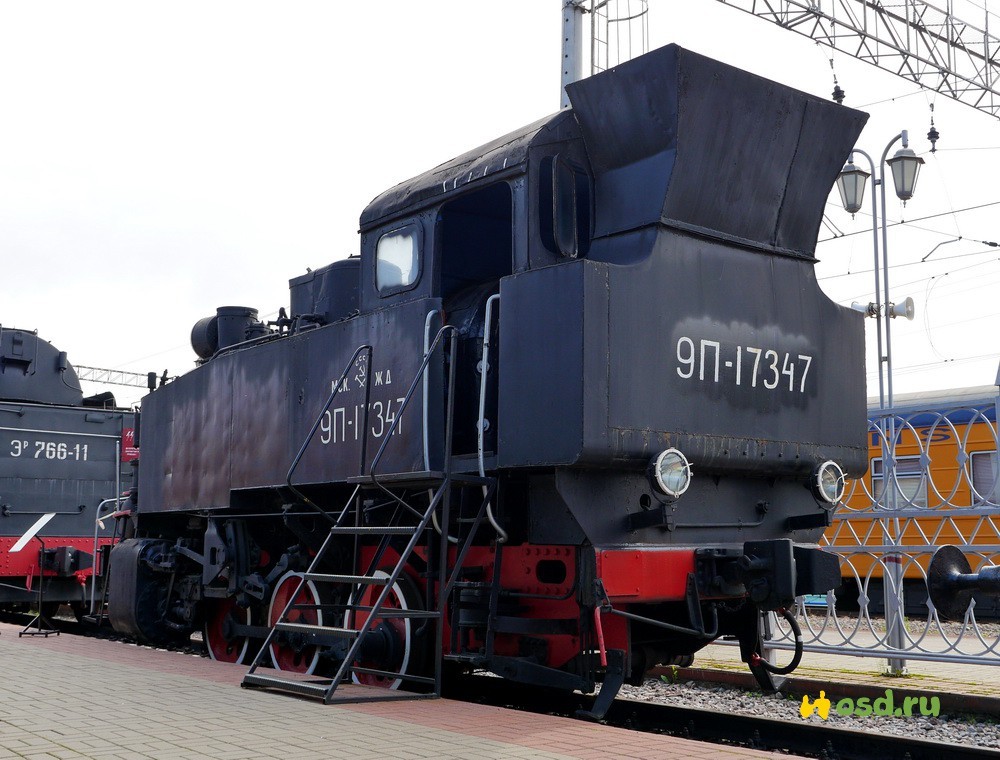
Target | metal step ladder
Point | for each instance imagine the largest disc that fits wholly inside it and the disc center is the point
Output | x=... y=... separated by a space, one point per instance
x=353 y=588
x=406 y=522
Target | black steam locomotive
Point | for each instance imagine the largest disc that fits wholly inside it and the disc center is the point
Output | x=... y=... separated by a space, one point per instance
x=579 y=407
x=61 y=455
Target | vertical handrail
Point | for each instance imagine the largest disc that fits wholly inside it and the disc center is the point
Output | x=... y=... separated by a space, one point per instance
x=97 y=524
x=481 y=422
x=483 y=379
x=445 y=517
x=427 y=340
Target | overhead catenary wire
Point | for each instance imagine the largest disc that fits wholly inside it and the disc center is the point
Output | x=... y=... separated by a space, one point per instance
x=923 y=366
x=961 y=282
x=917 y=219
x=942 y=232
x=896 y=267
x=913 y=368
x=977 y=318
x=982 y=7
x=181 y=347
x=924 y=279
x=890 y=99
x=829 y=224
x=929 y=333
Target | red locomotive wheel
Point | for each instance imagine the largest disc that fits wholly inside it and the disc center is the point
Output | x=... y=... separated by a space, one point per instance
x=402 y=596
x=214 y=632
x=293 y=656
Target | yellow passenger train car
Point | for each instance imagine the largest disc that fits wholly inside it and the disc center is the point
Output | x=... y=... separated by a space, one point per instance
x=937 y=451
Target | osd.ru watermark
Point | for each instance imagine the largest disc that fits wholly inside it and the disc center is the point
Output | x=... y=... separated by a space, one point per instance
x=864 y=706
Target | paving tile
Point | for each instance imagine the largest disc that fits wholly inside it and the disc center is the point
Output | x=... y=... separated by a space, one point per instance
x=144 y=703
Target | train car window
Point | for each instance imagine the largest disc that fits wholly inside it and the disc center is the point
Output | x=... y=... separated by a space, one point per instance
x=984 y=476
x=398 y=260
x=910 y=476
x=564 y=207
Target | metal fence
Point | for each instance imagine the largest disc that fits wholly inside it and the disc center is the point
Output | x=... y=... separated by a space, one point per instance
x=932 y=480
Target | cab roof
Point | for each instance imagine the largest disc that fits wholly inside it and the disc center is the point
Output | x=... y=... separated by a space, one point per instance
x=505 y=155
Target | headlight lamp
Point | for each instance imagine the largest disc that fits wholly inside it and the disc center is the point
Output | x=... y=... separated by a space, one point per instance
x=670 y=473
x=827 y=483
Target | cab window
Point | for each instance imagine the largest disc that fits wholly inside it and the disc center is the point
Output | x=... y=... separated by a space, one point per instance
x=397 y=257
x=564 y=211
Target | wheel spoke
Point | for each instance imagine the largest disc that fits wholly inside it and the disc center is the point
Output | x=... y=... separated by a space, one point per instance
x=220 y=647
x=292 y=655
x=402 y=596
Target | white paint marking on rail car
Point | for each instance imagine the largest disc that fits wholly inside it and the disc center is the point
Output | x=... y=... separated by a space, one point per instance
x=30 y=533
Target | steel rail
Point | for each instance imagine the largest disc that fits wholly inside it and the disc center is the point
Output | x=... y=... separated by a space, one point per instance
x=809 y=738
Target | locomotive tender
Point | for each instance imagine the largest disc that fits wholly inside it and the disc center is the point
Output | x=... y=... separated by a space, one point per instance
x=579 y=407
x=60 y=453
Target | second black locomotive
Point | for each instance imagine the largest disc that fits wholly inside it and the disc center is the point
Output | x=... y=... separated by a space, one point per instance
x=65 y=462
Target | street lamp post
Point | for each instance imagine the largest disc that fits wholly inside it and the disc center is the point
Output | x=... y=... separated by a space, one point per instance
x=905 y=166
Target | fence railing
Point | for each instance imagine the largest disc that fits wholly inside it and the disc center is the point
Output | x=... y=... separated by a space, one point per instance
x=932 y=480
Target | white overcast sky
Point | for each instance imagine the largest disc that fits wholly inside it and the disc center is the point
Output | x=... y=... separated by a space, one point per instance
x=158 y=160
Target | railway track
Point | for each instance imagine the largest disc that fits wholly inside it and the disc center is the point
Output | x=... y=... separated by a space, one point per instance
x=803 y=738
x=71 y=627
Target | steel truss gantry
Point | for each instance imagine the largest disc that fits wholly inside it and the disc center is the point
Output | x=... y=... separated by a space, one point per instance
x=116 y=376
x=914 y=39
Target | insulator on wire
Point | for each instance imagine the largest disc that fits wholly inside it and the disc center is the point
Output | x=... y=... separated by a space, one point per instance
x=933 y=134
x=838 y=92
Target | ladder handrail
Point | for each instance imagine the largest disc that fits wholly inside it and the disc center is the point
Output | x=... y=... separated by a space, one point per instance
x=363 y=348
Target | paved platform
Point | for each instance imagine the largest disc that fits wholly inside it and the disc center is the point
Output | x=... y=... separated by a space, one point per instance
x=69 y=697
